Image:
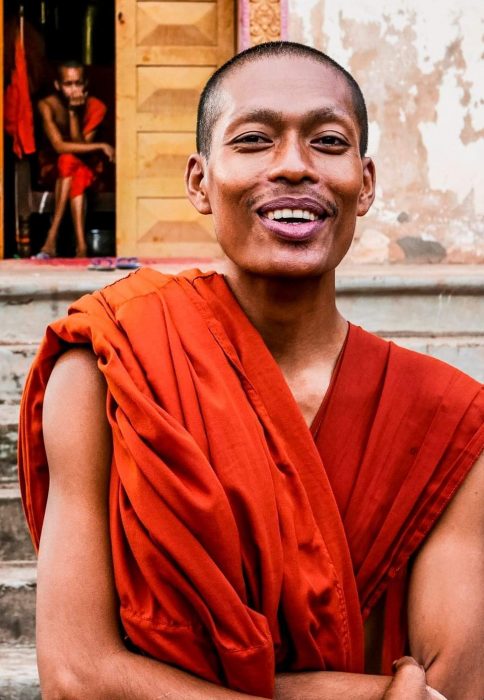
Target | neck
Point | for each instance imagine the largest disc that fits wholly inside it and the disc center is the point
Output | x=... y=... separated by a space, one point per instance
x=297 y=318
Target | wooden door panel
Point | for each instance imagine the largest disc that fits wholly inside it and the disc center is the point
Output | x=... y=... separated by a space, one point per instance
x=172 y=226
x=162 y=159
x=166 y=51
x=171 y=94
x=177 y=24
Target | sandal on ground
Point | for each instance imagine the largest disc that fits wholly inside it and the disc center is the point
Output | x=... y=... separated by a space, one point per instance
x=102 y=264
x=42 y=255
x=127 y=263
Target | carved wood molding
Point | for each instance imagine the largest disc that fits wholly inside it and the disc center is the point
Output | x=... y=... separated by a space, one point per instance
x=264 y=21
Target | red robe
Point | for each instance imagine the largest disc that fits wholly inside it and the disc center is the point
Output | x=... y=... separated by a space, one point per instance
x=83 y=170
x=18 y=115
x=244 y=543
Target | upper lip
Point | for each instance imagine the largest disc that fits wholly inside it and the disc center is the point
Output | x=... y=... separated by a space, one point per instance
x=304 y=203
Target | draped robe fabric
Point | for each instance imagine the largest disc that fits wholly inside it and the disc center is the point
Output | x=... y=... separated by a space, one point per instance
x=242 y=541
x=18 y=114
x=83 y=170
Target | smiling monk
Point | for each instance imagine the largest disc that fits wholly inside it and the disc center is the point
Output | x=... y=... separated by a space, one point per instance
x=235 y=492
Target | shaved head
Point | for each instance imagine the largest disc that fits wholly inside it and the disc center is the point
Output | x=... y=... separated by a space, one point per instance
x=211 y=104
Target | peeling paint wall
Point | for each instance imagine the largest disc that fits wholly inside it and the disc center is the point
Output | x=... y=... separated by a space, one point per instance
x=420 y=66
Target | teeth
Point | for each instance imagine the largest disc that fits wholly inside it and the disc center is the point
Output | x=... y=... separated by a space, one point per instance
x=291 y=214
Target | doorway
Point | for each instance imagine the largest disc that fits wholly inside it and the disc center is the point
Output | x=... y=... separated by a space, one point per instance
x=54 y=31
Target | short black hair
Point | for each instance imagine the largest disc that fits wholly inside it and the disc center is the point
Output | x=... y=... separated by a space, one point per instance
x=70 y=63
x=209 y=106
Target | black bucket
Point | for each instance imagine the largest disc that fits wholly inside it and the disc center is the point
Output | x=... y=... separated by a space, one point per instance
x=101 y=243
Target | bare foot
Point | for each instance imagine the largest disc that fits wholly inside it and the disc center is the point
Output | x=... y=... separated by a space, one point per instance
x=81 y=252
x=48 y=250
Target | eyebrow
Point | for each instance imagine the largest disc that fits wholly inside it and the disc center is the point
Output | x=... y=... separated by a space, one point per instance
x=269 y=116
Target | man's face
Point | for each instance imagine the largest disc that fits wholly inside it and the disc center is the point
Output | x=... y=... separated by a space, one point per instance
x=284 y=179
x=71 y=83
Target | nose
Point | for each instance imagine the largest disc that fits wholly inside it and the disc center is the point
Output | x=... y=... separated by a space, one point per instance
x=292 y=163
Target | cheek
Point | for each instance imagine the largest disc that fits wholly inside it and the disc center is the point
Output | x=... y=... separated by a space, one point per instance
x=348 y=185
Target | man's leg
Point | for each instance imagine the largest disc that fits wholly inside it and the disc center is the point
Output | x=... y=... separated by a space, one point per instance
x=78 y=209
x=62 y=189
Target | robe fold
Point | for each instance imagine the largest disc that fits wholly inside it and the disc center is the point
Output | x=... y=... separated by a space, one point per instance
x=83 y=170
x=244 y=542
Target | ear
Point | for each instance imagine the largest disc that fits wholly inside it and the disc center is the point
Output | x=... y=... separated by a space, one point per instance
x=57 y=85
x=367 y=193
x=195 y=183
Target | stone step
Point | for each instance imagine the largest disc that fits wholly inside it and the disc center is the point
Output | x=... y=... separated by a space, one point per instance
x=17 y=602
x=8 y=442
x=15 y=542
x=464 y=352
x=15 y=361
x=435 y=300
x=18 y=673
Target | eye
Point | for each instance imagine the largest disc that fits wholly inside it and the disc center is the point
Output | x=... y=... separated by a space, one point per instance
x=252 y=139
x=330 y=141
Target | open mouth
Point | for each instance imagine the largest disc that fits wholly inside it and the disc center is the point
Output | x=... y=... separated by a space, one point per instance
x=292 y=216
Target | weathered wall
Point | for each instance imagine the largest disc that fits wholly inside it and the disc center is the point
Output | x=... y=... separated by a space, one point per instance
x=419 y=64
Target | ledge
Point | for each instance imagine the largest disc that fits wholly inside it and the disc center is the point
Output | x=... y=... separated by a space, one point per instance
x=21 y=278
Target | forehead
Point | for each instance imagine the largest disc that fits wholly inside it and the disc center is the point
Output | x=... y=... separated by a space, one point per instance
x=71 y=75
x=289 y=85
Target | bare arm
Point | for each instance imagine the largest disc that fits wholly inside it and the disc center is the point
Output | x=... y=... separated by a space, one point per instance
x=446 y=599
x=60 y=145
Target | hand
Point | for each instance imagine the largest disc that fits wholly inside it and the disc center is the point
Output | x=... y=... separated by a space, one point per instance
x=77 y=100
x=409 y=682
x=108 y=151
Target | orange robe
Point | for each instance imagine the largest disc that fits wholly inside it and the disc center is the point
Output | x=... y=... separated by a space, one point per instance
x=242 y=541
x=82 y=170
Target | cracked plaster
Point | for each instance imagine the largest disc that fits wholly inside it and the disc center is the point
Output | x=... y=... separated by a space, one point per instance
x=420 y=67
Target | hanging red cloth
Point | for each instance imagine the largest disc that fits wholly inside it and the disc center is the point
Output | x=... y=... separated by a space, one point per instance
x=18 y=115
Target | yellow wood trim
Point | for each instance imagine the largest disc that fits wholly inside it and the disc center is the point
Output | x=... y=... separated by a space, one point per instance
x=125 y=18
x=226 y=30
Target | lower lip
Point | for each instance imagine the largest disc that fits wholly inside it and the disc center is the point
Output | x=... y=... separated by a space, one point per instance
x=293 y=232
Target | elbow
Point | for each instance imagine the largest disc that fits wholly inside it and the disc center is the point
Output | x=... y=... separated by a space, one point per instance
x=457 y=678
x=61 y=684
x=86 y=676
x=60 y=680
x=60 y=147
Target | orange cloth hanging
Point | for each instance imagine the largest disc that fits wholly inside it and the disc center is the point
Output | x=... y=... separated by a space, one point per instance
x=244 y=543
x=18 y=116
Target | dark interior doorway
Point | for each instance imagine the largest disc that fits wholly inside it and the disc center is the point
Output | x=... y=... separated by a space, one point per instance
x=54 y=31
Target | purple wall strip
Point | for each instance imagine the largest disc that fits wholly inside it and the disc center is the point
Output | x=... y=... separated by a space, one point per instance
x=243 y=35
x=284 y=19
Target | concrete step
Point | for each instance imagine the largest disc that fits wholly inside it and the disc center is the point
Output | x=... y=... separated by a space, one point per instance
x=18 y=673
x=15 y=542
x=8 y=442
x=438 y=300
x=15 y=361
x=17 y=602
x=464 y=352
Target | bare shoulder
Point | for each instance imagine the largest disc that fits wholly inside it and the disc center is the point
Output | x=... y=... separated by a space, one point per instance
x=52 y=107
x=446 y=597
x=75 y=425
x=464 y=517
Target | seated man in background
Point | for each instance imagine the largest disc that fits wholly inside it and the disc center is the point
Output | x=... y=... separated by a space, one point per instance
x=234 y=492
x=70 y=118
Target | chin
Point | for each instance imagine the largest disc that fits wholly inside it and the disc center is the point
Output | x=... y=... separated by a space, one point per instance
x=289 y=268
